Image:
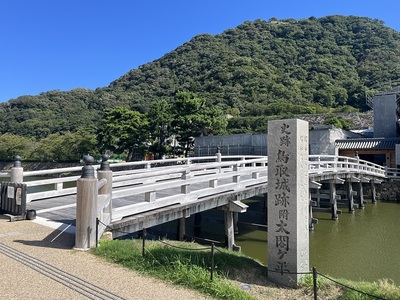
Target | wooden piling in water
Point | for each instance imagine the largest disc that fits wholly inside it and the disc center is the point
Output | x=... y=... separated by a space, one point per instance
x=360 y=193
x=373 y=191
x=229 y=229
x=332 y=191
x=350 y=194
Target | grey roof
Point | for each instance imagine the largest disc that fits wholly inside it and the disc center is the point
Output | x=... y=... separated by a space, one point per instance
x=367 y=143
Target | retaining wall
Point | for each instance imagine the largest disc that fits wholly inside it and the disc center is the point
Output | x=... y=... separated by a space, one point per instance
x=386 y=191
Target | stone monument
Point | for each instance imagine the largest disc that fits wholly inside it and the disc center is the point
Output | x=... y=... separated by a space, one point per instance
x=288 y=201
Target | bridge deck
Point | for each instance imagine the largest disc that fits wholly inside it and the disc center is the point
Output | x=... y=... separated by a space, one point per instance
x=63 y=209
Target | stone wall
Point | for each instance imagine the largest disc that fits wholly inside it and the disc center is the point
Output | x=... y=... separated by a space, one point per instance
x=386 y=191
x=359 y=120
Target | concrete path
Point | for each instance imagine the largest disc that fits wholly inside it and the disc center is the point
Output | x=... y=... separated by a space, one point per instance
x=37 y=262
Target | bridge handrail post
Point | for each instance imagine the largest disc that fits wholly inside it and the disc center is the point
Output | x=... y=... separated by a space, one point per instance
x=105 y=173
x=185 y=188
x=358 y=161
x=218 y=158
x=344 y=163
x=17 y=171
x=339 y=163
x=335 y=163
x=218 y=155
x=320 y=166
x=265 y=163
x=243 y=162
x=236 y=177
x=86 y=207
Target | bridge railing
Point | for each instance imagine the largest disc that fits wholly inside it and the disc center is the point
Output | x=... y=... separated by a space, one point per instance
x=393 y=173
x=190 y=183
x=5 y=175
x=62 y=181
x=332 y=163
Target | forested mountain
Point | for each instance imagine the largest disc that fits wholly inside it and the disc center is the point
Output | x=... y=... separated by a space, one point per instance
x=258 y=69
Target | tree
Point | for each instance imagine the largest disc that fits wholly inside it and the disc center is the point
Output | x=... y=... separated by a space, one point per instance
x=159 y=116
x=193 y=118
x=124 y=131
x=339 y=122
x=67 y=146
x=12 y=145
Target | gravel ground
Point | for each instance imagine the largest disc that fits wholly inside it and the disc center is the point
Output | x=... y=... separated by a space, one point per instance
x=38 y=262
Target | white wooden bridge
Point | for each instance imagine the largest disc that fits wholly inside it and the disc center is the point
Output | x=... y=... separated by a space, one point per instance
x=149 y=193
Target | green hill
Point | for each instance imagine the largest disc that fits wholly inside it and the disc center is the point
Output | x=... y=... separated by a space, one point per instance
x=258 y=69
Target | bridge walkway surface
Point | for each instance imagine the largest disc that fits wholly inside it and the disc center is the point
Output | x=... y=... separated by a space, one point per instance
x=60 y=212
x=38 y=263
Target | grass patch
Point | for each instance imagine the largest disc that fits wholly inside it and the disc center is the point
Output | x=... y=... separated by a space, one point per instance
x=189 y=265
x=179 y=265
x=343 y=289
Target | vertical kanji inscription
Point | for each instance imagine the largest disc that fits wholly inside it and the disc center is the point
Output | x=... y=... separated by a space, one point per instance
x=287 y=201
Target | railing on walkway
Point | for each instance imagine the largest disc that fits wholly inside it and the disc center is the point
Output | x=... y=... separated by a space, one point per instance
x=63 y=181
x=190 y=183
x=342 y=164
x=393 y=173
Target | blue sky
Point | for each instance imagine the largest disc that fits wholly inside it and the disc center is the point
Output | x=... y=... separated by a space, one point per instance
x=59 y=44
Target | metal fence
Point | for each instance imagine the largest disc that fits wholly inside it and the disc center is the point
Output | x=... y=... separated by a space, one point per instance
x=235 y=144
x=230 y=150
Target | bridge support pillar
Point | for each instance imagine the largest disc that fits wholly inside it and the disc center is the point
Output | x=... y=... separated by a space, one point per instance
x=197 y=224
x=182 y=227
x=373 y=191
x=311 y=221
x=230 y=231
x=349 y=192
x=314 y=186
x=332 y=192
x=318 y=201
x=231 y=215
x=360 y=193
x=235 y=222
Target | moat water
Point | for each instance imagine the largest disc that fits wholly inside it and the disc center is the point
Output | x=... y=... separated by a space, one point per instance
x=361 y=246
x=364 y=245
